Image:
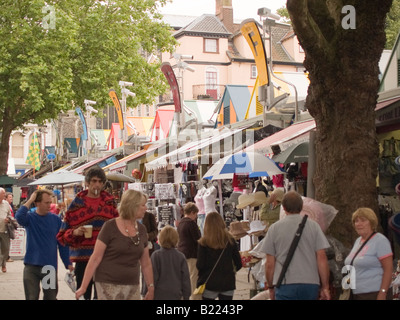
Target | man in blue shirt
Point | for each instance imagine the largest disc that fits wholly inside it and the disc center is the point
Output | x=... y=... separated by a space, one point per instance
x=41 y=257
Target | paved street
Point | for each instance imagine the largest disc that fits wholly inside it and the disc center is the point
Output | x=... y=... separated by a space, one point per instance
x=11 y=286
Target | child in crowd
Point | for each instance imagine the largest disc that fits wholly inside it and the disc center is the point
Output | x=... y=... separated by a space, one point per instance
x=170 y=269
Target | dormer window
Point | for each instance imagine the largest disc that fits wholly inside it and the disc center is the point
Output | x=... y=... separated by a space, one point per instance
x=211 y=45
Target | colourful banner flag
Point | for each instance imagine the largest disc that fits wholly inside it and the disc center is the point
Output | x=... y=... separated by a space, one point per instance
x=250 y=31
x=117 y=105
x=173 y=83
x=33 y=157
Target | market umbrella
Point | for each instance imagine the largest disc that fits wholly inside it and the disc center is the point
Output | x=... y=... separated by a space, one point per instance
x=59 y=178
x=119 y=177
x=295 y=153
x=252 y=163
x=6 y=180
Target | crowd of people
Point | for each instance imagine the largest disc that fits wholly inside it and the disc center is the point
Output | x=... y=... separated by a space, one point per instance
x=116 y=251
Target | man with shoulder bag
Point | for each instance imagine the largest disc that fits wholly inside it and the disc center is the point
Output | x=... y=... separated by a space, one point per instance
x=297 y=266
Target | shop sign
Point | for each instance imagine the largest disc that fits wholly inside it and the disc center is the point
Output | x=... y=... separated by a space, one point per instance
x=389 y=114
x=18 y=245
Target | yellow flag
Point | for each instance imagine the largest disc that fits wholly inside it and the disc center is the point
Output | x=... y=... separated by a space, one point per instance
x=33 y=157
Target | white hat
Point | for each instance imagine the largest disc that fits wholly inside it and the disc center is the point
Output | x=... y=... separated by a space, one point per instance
x=256 y=226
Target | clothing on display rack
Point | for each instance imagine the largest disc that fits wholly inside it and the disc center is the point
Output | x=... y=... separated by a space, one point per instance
x=198 y=199
x=167 y=214
x=201 y=215
x=209 y=198
x=165 y=191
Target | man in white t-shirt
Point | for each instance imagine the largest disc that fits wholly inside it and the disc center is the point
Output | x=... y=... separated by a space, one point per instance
x=308 y=269
x=5 y=214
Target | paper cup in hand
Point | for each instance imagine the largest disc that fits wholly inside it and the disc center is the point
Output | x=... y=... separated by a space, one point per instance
x=88 y=230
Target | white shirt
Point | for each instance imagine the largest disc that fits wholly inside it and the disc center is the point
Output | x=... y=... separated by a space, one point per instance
x=209 y=198
x=4 y=212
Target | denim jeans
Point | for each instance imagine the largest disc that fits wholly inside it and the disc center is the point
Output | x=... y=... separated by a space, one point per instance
x=33 y=277
x=297 y=291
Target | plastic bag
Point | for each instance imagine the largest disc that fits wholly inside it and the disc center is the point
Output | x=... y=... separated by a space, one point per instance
x=70 y=280
x=320 y=212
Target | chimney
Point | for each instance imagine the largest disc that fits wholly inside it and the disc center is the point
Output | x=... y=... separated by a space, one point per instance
x=224 y=12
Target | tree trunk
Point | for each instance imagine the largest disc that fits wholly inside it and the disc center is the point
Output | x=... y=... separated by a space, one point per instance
x=343 y=72
x=5 y=142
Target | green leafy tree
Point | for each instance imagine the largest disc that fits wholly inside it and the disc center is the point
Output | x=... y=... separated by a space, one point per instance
x=285 y=18
x=393 y=24
x=55 y=54
x=343 y=70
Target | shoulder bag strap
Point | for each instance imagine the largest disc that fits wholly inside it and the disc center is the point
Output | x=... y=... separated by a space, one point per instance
x=362 y=246
x=291 y=251
x=216 y=263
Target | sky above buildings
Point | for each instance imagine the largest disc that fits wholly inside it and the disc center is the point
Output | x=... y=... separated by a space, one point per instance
x=242 y=9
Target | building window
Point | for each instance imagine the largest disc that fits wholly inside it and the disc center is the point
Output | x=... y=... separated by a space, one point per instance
x=147 y=110
x=17 y=150
x=211 y=83
x=211 y=45
x=253 y=71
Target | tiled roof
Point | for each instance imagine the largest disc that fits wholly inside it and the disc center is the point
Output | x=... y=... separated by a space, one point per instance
x=205 y=24
x=209 y=24
x=278 y=52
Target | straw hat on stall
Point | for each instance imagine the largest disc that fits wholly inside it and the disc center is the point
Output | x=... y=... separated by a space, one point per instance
x=245 y=200
x=237 y=230
x=259 y=199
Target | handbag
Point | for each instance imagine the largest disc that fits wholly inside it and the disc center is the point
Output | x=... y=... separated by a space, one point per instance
x=200 y=289
x=292 y=249
x=11 y=226
x=346 y=293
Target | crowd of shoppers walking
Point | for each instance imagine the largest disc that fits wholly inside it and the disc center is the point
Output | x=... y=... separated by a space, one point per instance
x=118 y=253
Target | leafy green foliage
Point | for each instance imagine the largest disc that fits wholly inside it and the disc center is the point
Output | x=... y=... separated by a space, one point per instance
x=92 y=45
x=392 y=24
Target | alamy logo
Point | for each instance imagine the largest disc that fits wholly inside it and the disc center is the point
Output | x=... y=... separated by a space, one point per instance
x=49 y=281
x=349 y=279
x=49 y=20
x=349 y=20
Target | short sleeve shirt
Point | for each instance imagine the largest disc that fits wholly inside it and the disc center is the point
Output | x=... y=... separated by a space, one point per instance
x=303 y=267
x=367 y=263
x=120 y=263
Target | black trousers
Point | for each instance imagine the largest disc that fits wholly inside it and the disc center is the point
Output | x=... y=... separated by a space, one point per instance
x=80 y=268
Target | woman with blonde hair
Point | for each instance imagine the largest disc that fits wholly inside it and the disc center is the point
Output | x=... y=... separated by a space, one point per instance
x=373 y=265
x=120 y=251
x=218 y=259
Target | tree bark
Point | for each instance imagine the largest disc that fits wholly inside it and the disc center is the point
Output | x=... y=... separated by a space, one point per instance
x=343 y=72
x=7 y=127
